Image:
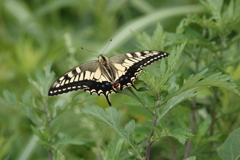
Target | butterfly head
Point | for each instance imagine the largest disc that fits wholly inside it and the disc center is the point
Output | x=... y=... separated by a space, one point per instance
x=102 y=59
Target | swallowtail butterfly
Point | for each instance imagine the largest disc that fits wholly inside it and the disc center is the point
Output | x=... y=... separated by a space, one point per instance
x=104 y=75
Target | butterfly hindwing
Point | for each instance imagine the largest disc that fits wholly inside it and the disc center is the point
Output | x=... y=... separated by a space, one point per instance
x=101 y=88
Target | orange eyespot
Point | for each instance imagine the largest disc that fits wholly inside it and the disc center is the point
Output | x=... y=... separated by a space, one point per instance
x=115 y=85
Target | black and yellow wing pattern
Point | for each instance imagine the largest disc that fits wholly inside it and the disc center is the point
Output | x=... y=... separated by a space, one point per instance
x=104 y=75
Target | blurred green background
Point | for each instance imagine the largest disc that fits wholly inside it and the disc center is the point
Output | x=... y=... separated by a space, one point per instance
x=34 y=33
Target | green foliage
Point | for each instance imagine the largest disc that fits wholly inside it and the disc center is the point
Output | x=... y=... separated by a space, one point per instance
x=191 y=158
x=180 y=134
x=111 y=118
x=186 y=106
x=230 y=148
x=114 y=149
x=5 y=145
x=41 y=114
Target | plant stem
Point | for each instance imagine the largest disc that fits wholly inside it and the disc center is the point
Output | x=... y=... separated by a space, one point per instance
x=192 y=126
x=173 y=148
x=50 y=154
x=48 y=121
x=193 y=106
x=174 y=152
x=154 y=123
x=213 y=115
x=148 y=150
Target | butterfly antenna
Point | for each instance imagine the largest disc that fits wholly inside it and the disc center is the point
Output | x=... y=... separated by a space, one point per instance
x=89 y=50
x=107 y=46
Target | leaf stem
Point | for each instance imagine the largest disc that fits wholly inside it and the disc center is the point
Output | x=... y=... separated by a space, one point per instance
x=148 y=150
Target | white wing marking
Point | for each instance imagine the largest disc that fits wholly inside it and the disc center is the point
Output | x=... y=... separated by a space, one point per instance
x=78 y=70
x=119 y=67
x=129 y=55
x=87 y=75
x=97 y=74
x=76 y=78
x=128 y=61
x=81 y=77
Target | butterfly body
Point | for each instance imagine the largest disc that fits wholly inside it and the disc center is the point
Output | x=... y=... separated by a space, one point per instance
x=104 y=75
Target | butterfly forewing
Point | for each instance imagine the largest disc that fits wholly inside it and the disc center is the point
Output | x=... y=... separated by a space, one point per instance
x=105 y=75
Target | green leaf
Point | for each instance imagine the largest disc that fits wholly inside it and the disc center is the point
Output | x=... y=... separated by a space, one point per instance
x=203 y=128
x=43 y=79
x=142 y=6
x=181 y=134
x=195 y=38
x=49 y=76
x=68 y=140
x=176 y=39
x=193 y=84
x=175 y=100
x=34 y=83
x=165 y=71
x=191 y=158
x=131 y=93
x=6 y=145
x=173 y=88
x=142 y=89
x=26 y=97
x=51 y=6
x=44 y=143
x=37 y=132
x=173 y=59
x=129 y=128
x=154 y=42
x=10 y=97
x=214 y=6
x=190 y=82
x=114 y=149
x=111 y=118
x=229 y=14
x=56 y=129
x=59 y=155
x=31 y=113
x=230 y=148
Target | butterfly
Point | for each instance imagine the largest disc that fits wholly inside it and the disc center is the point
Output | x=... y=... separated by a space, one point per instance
x=105 y=75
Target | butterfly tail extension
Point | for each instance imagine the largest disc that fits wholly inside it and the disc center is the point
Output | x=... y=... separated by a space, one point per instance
x=108 y=100
x=134 y=87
